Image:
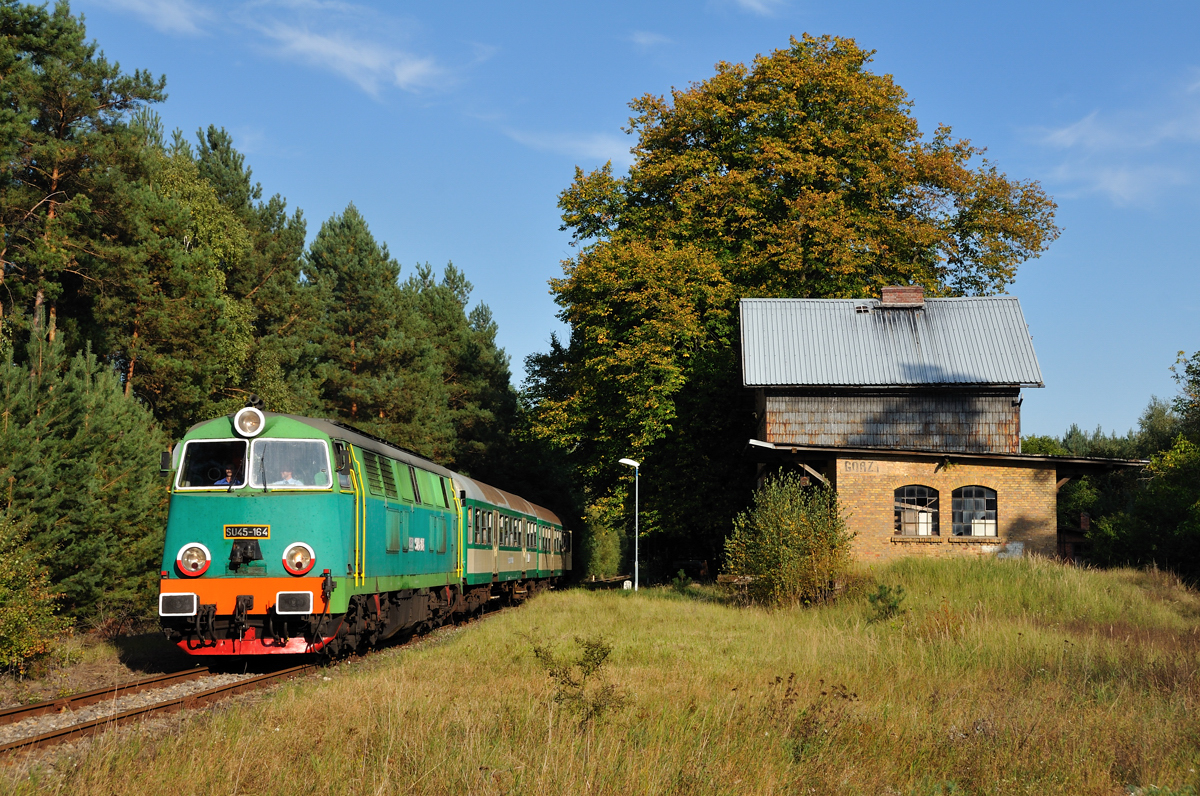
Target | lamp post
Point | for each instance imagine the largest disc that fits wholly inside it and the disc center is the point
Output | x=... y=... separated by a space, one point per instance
x=636 y=470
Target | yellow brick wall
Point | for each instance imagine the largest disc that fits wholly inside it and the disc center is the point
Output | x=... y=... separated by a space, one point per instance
x=1025 y=506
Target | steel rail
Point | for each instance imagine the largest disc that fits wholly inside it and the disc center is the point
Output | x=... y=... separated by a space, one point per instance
x=22 y=712
x=170 y=706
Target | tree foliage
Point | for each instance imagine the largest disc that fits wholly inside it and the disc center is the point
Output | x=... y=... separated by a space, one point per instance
x=28 y=623
x=1156 y=518
x=79 y=471
x=63 y=127
x=801 y=175
x=1161 y=524
x=793 y=542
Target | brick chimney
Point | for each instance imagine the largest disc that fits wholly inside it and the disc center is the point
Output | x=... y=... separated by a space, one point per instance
x=903 y=296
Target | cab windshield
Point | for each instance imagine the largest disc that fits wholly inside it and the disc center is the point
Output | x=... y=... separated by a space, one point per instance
x=289 y=464
x=213 y=464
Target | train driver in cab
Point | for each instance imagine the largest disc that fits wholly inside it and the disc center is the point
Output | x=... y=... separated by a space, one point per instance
x=229 y=480
x=286 y=479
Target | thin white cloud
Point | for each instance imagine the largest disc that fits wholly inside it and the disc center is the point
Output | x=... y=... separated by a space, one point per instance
x=364 y=63
x=595 y=147
x=763 y=8
x=644 y=38
x=166 y=16
x=1122 y=184
x=1129 y=155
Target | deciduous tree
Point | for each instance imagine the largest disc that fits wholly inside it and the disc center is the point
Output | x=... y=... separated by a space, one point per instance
x=801 y=175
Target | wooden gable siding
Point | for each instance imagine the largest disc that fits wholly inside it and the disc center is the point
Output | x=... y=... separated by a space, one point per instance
x=922 y=421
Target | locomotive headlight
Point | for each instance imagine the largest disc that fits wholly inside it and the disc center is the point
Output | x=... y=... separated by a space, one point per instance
x=299 y=558
x=249 y=421
x=193 y=559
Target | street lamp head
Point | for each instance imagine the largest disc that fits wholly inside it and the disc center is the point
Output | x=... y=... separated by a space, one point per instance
x=630 y=463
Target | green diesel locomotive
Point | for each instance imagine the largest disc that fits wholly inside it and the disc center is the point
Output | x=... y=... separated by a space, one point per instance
x=290 y=534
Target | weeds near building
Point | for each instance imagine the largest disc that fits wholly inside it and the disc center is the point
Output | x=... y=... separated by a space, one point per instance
x=579 y=683
x=793 y=543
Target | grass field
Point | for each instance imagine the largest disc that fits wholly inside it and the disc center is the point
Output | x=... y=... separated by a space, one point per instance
x=1000 y=677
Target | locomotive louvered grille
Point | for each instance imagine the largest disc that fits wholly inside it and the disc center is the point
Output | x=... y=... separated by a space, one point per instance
x=389 y=481
x=374 y=479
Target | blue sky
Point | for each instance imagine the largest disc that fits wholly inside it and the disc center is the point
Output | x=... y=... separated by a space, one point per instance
x=454 y=126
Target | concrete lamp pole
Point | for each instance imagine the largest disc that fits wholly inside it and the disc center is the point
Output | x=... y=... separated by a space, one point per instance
x=636 y=470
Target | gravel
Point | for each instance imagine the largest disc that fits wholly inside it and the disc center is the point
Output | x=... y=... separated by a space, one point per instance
x=54 y=721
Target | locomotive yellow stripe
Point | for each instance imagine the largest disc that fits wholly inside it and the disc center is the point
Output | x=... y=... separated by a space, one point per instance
x=359 y=519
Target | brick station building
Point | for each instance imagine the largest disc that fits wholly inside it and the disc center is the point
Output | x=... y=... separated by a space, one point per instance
x=911 y=409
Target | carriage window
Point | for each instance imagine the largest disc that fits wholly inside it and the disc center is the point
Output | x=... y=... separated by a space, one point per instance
x=916 y=511
x=205 y=465
x=289 y=464
x=974 y=510
x=445 y=493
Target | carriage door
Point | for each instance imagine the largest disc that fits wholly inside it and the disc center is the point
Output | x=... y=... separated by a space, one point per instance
x=494 y=542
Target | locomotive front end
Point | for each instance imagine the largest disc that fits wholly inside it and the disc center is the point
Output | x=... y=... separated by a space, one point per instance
x=253 y=531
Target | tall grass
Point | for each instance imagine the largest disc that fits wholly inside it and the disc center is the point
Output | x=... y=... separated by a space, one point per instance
x=1001 y=677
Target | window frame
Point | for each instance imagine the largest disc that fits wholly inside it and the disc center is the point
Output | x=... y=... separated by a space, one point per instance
x=282 y=487
x=957 y=511
x=930 y=506
x=213 y=487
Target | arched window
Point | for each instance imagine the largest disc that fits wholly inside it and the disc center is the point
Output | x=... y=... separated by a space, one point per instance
x=974 y=511
x=916 y=511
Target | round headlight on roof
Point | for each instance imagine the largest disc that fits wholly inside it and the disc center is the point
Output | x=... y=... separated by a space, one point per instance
x=249 y=421
x=193 y=559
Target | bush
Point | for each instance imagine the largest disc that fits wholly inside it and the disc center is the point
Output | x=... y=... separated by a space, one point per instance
x=886 y=602
x=579 y=685
x=28 y=624
x=602 y=542
x=793 y=543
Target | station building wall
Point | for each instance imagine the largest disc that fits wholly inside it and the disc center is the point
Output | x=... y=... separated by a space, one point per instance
x=1025 y=506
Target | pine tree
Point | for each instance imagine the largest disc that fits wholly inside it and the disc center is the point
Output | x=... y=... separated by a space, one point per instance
x=480 y=402
x=268 y=280
x=64 y=121
x=78 y=468
x=375 y=362
x=162 y=314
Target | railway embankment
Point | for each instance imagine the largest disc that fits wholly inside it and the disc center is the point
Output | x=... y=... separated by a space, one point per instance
x=991 y=676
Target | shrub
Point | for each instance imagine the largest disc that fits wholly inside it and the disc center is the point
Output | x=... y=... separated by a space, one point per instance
x=28 y=624
x=602 y=542
x=792 y=544
x=886 y=602
x=579 y=685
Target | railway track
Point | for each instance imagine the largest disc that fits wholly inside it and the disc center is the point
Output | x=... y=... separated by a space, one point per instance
x=76 y=701
x=86 y=728
x=196 y=699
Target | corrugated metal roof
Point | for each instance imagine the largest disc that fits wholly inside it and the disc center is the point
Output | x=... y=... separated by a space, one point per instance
x=832 y=342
